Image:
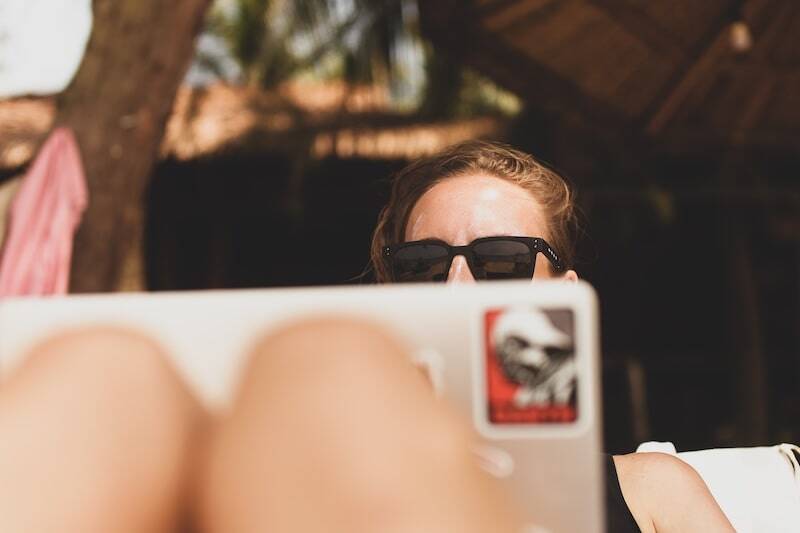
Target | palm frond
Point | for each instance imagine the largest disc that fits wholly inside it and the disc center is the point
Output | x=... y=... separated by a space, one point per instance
x=360 y=41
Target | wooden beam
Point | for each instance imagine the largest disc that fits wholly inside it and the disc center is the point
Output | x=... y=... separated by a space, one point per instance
x=711 y=53
x=494 y=8
x=641 y=26
x=674 y=92
x=510 y=67
x=751 y=111
x=766 y=33
x=691 y=141
x=525 y=15
x=687 y=80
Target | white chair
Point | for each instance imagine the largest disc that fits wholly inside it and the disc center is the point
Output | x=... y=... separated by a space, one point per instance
x=758 y=488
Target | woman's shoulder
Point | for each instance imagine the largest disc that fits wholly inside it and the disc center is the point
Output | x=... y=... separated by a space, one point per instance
x=665 y=493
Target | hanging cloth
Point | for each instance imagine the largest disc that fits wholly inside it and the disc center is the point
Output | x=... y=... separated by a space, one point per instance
x=43 y=218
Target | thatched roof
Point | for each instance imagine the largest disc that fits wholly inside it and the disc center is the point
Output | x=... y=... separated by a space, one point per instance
x=330 y=119
x=677 y=71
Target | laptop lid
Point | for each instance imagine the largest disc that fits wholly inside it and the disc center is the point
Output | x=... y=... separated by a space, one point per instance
x=518 y=360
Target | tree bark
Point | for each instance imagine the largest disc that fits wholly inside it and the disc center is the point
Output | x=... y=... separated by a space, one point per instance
x=118 y=105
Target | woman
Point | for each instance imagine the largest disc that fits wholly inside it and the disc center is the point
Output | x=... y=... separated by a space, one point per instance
x=98 y=433
x=449 y=217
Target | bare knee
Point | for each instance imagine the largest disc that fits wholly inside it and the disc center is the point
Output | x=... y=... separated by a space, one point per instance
x=335 y=410
x=330 y=341
x=122 y=416
x=110 y=369
x=331 y=356
x=359 y=386
x=328 y=362
x=94 y=350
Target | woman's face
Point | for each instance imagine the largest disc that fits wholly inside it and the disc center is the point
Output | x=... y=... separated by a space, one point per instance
x=461 y=209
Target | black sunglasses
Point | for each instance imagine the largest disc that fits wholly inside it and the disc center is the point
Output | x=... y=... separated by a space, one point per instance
x=489 y=258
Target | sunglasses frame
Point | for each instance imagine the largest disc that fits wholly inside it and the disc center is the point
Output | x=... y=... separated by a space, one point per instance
x=535 y=245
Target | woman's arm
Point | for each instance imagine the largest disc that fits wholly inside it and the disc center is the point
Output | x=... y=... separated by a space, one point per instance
x=666 y=494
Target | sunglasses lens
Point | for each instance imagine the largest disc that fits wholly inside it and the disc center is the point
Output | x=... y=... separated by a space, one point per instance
x=500 y=259
x=420 y=262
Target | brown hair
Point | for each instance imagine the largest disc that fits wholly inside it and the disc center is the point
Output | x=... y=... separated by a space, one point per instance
x=499 y=160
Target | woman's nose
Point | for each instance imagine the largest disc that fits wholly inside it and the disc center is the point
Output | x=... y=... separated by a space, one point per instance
x=459 y=271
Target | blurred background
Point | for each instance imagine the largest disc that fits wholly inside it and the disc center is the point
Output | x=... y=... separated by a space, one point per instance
x=249 y=143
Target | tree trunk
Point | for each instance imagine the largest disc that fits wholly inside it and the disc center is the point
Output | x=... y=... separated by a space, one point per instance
x=118 y=105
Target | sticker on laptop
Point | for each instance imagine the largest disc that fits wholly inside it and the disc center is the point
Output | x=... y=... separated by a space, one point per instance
x=531 y=372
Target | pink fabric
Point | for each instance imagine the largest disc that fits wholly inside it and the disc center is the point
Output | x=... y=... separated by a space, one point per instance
x=44 y=215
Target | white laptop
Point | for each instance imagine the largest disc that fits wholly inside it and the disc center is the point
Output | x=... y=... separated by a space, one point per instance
x=519 y=360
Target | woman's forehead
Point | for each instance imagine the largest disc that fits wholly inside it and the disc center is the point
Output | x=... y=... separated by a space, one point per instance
x=479 y=185
x=472 y=206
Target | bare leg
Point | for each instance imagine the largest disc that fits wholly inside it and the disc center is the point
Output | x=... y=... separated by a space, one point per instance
x=335 y=430
x=94 y=431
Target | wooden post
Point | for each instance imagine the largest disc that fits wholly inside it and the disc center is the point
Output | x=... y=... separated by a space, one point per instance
x=743 y=312
x=746 y=332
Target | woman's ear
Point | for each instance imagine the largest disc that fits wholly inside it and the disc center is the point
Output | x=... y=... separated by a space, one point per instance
x=570 y=275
